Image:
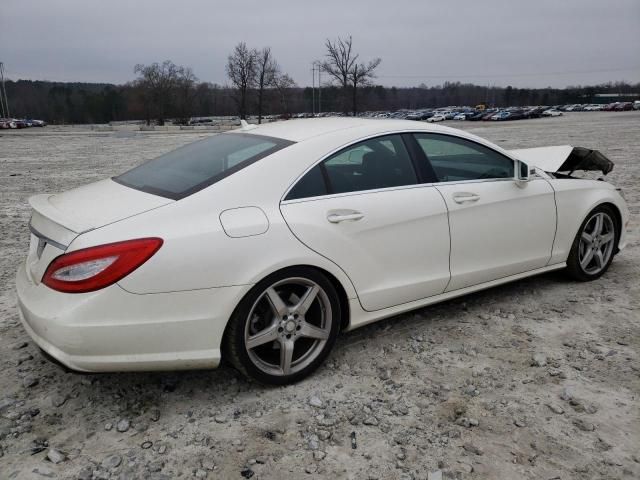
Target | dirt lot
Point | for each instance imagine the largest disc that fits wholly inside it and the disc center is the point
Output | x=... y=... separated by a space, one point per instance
x=539 y=379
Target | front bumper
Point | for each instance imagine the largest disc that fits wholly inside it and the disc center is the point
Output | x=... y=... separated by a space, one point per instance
x=114 y=330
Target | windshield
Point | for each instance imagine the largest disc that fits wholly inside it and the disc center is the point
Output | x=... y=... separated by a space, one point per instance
x=193 y=167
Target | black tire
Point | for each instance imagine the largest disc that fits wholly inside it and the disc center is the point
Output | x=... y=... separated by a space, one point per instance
x=234 y=348
x=574 y=269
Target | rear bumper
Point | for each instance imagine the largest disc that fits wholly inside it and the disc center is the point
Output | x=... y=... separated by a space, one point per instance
x=114 y=330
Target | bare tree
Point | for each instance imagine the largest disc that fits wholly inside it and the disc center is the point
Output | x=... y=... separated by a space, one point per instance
x=283 y=84
x=339 y=64
x=342 y=64
x=157 y=84
x=361 y=75
x=267 y=71
x=185 y=94
x=242 y=71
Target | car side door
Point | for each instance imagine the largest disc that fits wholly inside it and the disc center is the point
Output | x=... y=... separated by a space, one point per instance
x=499 y=227
x=365 y=209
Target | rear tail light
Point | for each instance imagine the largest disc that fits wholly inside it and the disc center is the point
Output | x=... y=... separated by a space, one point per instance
x=94 y=268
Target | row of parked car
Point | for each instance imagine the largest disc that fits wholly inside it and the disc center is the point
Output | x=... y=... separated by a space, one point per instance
x=596 y=107
x=21 y=123
x=480 y=112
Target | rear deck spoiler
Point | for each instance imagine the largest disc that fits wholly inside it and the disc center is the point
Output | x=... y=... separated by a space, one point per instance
x=48 y=222
x=564 y=158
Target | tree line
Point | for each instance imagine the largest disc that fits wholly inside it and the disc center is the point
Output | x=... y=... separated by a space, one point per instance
x=258 y=86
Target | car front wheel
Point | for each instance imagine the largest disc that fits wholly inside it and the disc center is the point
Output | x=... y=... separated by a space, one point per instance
x=285 y=327
x=594 y=246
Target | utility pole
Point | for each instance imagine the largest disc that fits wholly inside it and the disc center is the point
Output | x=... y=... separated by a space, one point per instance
x=313 y=89
x=3 y=94
x=316 y=63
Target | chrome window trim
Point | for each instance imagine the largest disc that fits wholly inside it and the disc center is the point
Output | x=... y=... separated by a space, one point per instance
x=359 y=192
x=382 y=134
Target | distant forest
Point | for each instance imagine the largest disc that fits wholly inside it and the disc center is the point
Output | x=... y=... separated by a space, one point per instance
x=73 y=103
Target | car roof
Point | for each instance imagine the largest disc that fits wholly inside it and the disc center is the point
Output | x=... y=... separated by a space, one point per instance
x=303 y=129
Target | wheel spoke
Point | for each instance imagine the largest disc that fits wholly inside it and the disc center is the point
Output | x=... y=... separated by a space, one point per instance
x=588 y=239
x=267 y=335
x=277 y=304
x=286 y=355
x=599 y=258
x=586 y=259
x=312 y=331
x=607 y=237
x=597 y=229
x=305 y=302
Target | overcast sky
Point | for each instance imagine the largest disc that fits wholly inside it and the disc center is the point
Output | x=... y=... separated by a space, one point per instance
x=501 y=42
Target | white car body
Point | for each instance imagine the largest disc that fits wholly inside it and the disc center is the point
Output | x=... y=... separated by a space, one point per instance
x=552 y=113
x=416 y=245
x=436 y=118
x=460 y=116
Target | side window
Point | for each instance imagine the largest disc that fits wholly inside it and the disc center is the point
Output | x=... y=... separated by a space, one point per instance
x=311 y=185
x=376 y=163
x=456 y=159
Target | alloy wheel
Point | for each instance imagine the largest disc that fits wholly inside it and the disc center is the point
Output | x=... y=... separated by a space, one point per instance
x=596 y=243
x=288 y=326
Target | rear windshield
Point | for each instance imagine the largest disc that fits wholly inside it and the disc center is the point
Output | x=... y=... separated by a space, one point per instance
x=193 y=167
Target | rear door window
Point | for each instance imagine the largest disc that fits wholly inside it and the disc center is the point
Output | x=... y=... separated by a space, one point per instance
x=380 y=162
x=193 y=167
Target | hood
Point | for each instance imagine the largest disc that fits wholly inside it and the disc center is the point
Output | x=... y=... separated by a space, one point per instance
x=564 y=158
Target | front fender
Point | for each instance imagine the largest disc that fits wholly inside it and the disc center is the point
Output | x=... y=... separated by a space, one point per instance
x=575 y=198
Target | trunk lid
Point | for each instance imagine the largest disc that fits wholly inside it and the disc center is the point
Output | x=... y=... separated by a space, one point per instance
x=57 y=219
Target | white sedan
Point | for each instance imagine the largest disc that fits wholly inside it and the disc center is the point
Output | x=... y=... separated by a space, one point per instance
x=438 y=117
x=552 y=112
x=260 y=246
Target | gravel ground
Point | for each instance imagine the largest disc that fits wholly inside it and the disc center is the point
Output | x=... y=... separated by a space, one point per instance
x=538 y=379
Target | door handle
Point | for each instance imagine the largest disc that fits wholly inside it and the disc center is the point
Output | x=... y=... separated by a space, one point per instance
x=344 y=215
x=465 y=197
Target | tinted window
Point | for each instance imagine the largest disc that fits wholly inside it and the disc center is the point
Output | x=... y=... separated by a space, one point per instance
x=376 y=163
x=455 y=159
x=193 y=167
x=311 y=185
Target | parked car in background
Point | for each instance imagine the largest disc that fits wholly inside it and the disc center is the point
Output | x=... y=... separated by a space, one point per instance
x=474 y=117
x=516 y=115
x=624 y=107
x=20 y=123
x=502 y=115
x=552 y=112
x=438 y=117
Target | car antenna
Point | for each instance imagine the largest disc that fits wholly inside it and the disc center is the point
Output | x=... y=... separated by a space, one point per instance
x=246 y=126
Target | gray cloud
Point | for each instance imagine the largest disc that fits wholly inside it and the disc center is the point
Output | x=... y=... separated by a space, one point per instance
x=540 y=43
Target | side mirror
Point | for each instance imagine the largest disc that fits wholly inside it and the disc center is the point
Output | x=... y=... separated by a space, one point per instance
x=522 y=173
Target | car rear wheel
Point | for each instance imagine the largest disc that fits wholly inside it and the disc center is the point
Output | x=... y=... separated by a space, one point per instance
x=595 y=245
x=285 y=327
